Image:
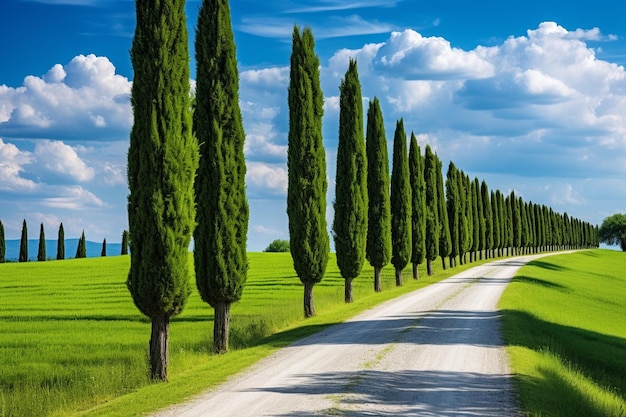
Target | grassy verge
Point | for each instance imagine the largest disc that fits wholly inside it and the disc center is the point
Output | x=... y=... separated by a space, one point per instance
x=73 y=343
x=565 y=324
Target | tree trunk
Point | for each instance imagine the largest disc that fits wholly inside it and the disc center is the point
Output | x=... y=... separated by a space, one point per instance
x=348 y=290
x=309 y=306
x=221 y=326
x=398 y=277
x=159 y=347
x=429 y=267
x=443 y=262
x=377 y=285
x=416 y=272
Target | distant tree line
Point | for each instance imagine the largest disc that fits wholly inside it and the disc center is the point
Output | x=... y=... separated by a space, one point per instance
x=81 y=250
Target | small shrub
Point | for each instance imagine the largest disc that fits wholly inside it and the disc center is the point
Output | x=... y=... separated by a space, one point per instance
x=278 y=245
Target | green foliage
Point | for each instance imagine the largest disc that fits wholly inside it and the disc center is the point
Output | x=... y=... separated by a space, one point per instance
x=563 y=322
x=220 y=193
x=61 y=243
x=278 y=245
x=453 y=201
x=488 y=215
x=81 y=249
x=306 y=163
x=400 y=200
x=162 y=161
x=3 y=244
x=103 y=252
x=24 y=243
x=125 y=238
x=350 y=218
x=378 y=249
x=432 y=205
x=445 y=241
x=418 y=202
x=41 y=253
x=613 y=230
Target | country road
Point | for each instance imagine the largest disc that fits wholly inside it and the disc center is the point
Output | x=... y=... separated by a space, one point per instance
x=434 y=352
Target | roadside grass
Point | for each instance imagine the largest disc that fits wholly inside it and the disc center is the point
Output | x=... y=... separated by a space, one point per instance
x=564 y=321
x=73 y=343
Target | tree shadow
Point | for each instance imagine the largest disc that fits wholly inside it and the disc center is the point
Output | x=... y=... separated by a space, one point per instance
x=406 y=393
x=600 y=357
x=537 y=281
x=548 y=265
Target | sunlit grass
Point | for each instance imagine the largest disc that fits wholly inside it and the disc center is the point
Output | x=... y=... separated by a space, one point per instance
x=564 y=318
x=72 y=341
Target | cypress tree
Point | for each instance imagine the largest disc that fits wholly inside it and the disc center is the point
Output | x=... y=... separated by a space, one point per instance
x=306 y=164
x=465 y=216
x=496 y=227
x=24 y=243
x=418 y=205
x=81 y=249
x=488 y=216
x=162 y=163
x=432 y=209
x=220 y=237
x=454 y=211
x=350 y=221
x=103 y=252
x=124 y=243
x=479 y=221
x=61 y=243
x=400 y=203
x=41 y=253
x=445 y=240
x=3 y=244
x=378 y=248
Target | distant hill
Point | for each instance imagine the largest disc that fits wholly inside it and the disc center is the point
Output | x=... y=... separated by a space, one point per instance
x=94 y=249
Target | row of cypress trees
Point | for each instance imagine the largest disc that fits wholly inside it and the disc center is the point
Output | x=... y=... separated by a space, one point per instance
x=81 y=250
x=408 y=217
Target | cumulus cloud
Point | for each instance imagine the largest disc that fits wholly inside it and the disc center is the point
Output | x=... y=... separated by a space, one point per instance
x=12 y=164
x=58 y=159
x=265 y=179
x=72 y=198
x=84 y=99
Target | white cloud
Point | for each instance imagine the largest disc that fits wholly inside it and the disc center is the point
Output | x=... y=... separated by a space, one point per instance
x=57 y=158
x=259 y=228
x=12 y=163
x=73 y=198
x=83 y=100
x=266 y=179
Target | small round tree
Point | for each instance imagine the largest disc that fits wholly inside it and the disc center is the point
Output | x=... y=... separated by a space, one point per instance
x=613 y=230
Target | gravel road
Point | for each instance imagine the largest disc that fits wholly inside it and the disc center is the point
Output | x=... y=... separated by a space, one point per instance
x=434 y=352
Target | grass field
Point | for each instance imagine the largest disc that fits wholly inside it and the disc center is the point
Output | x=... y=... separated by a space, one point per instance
x=73 y=343
x=565 y=322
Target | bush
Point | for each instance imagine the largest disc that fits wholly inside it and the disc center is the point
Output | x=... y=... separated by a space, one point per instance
x=278 y=245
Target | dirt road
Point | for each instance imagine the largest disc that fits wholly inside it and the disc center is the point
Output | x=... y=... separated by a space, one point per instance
x=434 y=352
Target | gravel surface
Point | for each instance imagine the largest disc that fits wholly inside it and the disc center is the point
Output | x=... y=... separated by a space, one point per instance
x=434 y=352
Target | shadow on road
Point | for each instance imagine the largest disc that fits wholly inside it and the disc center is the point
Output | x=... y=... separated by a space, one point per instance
x=408 y=393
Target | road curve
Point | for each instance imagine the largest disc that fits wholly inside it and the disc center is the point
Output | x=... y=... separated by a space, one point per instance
x=436 y=351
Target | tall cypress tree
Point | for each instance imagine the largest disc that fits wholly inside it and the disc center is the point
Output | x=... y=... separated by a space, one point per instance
x=162 y=163
x=41 y=253
x=306 y=163
x=81 y=249
x=418 y=205
x=454 y=211
x=488 y=215
x=378 y=248
x=24 y=243
x=400 y=203
x=61 y=243
x=445 y=241
x=125 y=243
x=350 y=221
x=103 y=252
x=3 y=244
x=477 y=219
x=432 y=209
x=495 y=224
x=220 y=237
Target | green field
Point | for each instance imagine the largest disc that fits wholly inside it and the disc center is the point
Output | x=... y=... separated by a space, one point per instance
x=565 y=322
x=73 y=343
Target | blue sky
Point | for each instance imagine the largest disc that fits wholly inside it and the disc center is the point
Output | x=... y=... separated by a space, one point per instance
x=529 y=96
